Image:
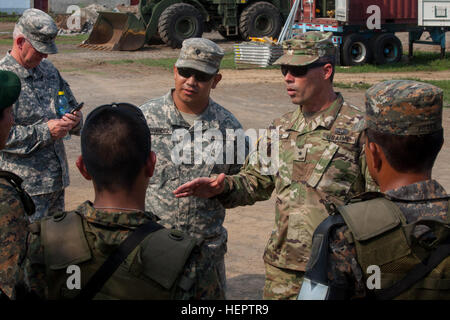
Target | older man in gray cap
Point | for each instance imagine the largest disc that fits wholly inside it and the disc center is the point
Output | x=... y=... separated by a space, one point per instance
x=320 y=163
x=35 y=150
x=178 y=121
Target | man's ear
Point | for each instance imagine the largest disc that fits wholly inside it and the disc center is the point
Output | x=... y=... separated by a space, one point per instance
x=82 y=168
x=150 y=164
x=217 y=79
x=20 y=40
x=328 y=71
x=377 y=155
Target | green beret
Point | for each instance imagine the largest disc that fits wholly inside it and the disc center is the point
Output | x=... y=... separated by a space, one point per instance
x=10 y=87
x=404 y=107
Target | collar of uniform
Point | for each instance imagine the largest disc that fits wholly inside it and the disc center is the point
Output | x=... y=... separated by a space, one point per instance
x=423 y=190
x=208 y=117
x=324 y=119
x=124 y=219
x=21 y=72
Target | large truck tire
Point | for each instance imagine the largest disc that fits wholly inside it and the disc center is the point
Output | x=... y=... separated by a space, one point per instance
x=178 y=22
x=261 y=19
x=387 y=48
x=355 y=50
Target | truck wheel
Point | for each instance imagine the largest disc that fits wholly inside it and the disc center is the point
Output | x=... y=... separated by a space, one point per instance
x=261 y=19
x=387 y=48
x=178 y=22
x=355 y=50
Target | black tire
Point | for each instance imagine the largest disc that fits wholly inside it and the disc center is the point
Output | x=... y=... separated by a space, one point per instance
x=355 y=50
x=386 y=48
x=178 y=22
x=261 y=19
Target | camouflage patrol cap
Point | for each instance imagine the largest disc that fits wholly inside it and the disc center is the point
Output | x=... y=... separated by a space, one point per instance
x=307 y=48
x=10 y=87
x=200 y=54
x=39 y=29
x=404 y=107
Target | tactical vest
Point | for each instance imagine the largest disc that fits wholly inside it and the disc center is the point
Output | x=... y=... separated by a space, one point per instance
x=383 y=238
x=154 y=270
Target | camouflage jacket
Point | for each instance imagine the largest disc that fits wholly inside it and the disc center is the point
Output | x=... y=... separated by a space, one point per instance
x=105 y=231
x=201 y=218
x=343 y=267
x=13 y=240
x=321 y=161
x=30 y=150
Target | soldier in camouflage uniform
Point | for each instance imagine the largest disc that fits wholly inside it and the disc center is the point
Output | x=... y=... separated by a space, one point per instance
x=320 y=163
x=35 y=149
x=189 y=108
x=167 y=264
x=404 y=136
x=13 y=220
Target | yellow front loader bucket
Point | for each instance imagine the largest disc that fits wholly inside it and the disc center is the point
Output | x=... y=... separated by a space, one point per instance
x=116 y=31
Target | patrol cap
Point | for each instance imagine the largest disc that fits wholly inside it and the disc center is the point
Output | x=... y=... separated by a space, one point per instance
x=40 y=29
x=200 y=54
x=306 y=48
x=10 y=87
x=404 y=107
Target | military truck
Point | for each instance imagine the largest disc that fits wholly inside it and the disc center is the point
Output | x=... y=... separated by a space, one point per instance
x=365 y=30
x=173 y=21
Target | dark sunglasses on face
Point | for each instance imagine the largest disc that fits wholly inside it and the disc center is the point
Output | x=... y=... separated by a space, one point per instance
x=198 y=75
x=300 y=71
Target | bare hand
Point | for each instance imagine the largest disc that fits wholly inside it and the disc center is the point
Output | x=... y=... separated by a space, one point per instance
x=202 y=187
x=73 y=119
x=58 y=128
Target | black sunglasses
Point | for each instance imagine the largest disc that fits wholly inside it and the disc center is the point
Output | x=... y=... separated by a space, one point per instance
x=198 y=75
x=300 y=71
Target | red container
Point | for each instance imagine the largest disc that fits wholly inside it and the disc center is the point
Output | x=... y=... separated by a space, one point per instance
x=392 y=12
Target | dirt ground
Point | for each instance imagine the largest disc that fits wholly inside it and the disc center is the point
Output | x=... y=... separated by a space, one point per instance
x=254 y=96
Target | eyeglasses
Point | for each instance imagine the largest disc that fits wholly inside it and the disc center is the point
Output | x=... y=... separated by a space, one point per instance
x=198 y=75
x=300 y=71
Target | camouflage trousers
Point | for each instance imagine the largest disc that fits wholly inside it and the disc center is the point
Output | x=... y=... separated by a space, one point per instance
x=282 y=284
x=47 y=205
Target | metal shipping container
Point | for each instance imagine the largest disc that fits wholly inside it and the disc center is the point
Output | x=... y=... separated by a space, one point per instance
x=392 y=11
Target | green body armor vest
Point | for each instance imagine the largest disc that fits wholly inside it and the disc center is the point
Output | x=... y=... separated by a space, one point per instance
x=154 y=270
x=383 y=238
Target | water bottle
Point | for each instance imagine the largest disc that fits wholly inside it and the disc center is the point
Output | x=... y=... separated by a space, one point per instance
x=62 y=107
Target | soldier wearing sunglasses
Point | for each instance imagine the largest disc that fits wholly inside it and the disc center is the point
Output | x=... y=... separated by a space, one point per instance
x=321 y=163
x=189 y=107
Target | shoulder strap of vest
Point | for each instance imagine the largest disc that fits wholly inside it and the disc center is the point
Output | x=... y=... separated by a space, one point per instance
x=64 y=240
x=16 y=182
x=368 y=219
x=111 y=264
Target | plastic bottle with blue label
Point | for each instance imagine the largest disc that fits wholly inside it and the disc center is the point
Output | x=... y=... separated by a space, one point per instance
x=62 y=107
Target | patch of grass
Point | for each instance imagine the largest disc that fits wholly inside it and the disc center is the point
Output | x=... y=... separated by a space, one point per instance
x=167 y=63
x=358 y=85
x=9 y=18
x=6 y=42
x=421 y=61
x=66 y=39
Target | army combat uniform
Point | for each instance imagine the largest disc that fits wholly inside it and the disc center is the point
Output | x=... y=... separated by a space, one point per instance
x=165 y=265
x=392 y=230
x=30 y=151
x=320 y=162
x=201 y=218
